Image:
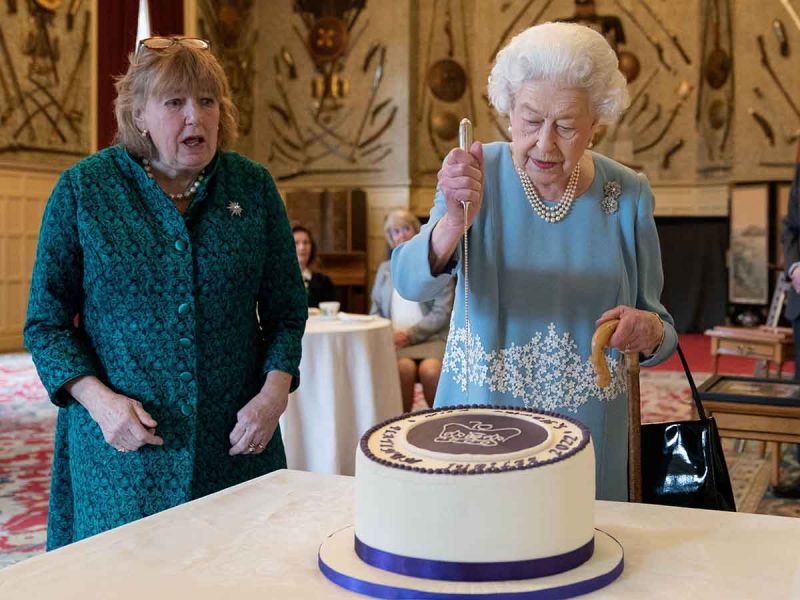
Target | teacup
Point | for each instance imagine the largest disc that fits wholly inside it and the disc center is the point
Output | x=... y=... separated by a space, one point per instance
x=329 y=309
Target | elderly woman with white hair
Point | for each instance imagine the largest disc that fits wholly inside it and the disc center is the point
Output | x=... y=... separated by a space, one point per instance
x=560 y=240
x=420 y=328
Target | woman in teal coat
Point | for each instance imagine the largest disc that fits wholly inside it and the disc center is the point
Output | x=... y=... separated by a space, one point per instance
x=166 y=308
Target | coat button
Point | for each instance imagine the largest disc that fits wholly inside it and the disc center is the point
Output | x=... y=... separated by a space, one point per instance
x=180 y=245
x=186 y=409
x=183 y=309
x=185 y=342
x=185 y=376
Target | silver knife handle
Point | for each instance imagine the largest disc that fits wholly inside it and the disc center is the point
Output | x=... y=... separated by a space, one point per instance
x=465 y=134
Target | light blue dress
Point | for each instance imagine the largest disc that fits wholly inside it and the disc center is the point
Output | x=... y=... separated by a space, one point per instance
x=536 y=289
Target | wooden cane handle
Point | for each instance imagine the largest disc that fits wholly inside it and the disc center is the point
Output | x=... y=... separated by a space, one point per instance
x=600 y=340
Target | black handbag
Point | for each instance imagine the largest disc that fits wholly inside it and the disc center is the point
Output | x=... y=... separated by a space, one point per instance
x=682 y=462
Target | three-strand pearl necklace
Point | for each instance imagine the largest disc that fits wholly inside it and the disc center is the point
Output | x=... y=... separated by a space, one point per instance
x=184 y=195
x=551 y=214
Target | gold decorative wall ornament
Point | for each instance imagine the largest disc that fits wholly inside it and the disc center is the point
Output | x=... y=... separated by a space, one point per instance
x=311 y=133
x=42 y=98
x=327 y=39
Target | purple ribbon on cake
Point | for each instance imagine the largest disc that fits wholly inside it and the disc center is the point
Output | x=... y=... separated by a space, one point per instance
x=379 y=590
x=473 y=571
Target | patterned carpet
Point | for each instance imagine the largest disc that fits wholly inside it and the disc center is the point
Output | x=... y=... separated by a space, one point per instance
x=27 y=421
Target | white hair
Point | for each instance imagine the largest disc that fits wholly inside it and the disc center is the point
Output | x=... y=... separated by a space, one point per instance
x=567 y=54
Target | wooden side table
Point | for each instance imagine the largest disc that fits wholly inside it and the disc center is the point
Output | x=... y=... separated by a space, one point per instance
x=764 y=422
x=772 y=344
x=755 y=408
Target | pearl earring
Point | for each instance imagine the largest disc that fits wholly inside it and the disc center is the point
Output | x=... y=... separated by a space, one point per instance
x=144 y=133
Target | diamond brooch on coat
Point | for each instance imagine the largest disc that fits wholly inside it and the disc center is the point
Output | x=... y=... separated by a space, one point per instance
x=235 y=208
x=612 y=190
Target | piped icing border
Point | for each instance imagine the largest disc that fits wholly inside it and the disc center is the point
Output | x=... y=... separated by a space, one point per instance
x=475 y=468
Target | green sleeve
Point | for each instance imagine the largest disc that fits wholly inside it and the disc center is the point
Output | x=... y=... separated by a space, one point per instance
x=55 y=297
x=282 y=299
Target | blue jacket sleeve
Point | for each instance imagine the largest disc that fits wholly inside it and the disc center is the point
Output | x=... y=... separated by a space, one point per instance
x=56 y=296
x=411 y=267
x=650 y=272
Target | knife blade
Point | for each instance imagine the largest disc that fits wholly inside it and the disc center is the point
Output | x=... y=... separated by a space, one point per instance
x=792 y=13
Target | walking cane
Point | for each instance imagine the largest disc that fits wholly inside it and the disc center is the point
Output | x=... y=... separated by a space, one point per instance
x=599 y=341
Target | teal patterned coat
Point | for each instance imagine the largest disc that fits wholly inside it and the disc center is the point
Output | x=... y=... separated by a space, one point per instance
x=185 y=313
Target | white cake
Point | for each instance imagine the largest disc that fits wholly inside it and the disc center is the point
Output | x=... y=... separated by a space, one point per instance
x=480 y=485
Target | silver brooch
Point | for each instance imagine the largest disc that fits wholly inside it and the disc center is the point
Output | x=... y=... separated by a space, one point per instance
x=612 y=190
x=235 y=208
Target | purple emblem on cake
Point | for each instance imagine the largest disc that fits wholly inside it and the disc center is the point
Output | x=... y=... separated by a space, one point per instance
x=485 y=434
x=477 y=433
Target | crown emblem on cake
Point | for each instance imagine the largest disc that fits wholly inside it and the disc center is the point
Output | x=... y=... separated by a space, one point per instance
x=476 y=433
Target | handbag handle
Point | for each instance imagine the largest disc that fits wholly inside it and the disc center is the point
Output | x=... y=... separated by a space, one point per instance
x=695 y=393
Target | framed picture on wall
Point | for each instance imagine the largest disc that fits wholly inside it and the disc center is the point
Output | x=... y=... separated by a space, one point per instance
x=748 y=281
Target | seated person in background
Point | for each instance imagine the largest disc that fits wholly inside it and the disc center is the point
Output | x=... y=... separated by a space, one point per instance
x=420 y=328
x=318 y=285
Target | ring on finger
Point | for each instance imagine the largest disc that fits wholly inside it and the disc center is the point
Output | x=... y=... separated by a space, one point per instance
x=251 y=447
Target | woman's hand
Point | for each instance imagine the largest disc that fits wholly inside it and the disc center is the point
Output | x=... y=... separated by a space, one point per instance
x=257 y=420
x=401 y=339
x=461 y=180
x=638 y=330
x=125 y=423
x=796 y=280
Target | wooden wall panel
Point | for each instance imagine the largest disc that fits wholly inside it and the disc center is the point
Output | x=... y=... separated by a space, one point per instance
x=23 y=196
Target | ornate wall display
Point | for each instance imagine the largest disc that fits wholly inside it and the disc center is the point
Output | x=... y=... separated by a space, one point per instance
x=343 y=88
x=655 y=44
x=446 y=91
x=44 y=82
x=334 y=99
x=714 y=94
x=229 y=26
x=715 y=103
x=767 y=89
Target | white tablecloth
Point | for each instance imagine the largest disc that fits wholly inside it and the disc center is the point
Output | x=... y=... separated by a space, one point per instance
x=348 y=383
x=259 y=541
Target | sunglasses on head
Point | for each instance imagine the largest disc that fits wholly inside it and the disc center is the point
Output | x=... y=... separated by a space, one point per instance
x=159 y=43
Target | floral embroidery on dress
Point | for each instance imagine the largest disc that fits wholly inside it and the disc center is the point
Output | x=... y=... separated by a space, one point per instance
x=547 y=373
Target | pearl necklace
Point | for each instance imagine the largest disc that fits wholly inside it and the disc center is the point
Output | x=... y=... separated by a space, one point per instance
x=185 y=195
x=548 y=213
